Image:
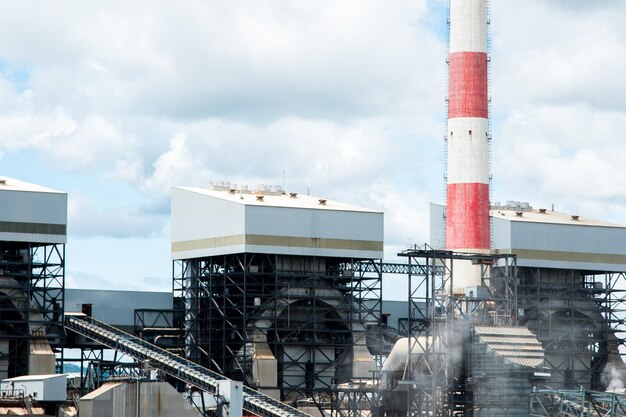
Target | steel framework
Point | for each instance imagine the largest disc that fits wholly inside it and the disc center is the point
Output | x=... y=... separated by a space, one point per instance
x=163 y=328
x=434 y=382
x=32 y=288
x=579 y=318
x=576 y=403
x=313 y=312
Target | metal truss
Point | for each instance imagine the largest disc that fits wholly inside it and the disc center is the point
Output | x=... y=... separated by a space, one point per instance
x=437 y=319
x=312 y=313
x=163 y=328
x=356 y=399
x=101 y=372
x=32 y=289
x=427 y=379
x=86 y=355
x=579 y=318
x=576 y=403
x=182 y=369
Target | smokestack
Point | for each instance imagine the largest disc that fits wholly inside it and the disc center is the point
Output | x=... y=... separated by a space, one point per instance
x=467 y=217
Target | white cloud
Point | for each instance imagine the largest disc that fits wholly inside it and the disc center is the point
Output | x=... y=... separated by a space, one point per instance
x=86 y=220
x=347 y=98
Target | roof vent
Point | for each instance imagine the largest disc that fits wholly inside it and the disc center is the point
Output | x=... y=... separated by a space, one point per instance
x=575 y=217
x=293 y=195
x=322 y=202
x=3 y=181
x=259 y=198
x=542 y=211
x=519 y=213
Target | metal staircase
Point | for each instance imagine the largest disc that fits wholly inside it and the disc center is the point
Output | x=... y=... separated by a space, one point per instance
x=180 y=368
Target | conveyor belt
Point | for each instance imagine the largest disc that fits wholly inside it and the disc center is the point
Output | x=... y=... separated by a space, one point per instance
x=180 y=368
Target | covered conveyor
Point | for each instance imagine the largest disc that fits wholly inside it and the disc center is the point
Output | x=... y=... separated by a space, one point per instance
x=180 y=368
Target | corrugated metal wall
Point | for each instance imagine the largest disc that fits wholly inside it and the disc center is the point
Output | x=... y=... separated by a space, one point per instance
x=116 y=307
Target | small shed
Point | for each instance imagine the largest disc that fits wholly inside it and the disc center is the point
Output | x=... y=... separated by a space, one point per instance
x=52 y=387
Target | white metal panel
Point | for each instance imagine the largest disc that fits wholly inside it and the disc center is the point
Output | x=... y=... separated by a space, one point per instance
x=468 y=26
x=350 y=230
x=303 y=251
x=197 y=216
x=279 y=221
x=33 y=207
x=51 y=387
x=206 y=222
x=569 y=238
x=559 y=245
x=194 y=216
x=554 y=240
x=13 y=184
x=275 y=199
x=501 y=232
x=28 y=216
x=468 y=150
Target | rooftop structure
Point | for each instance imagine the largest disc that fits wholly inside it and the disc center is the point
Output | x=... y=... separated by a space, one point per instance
x=32 y=213
x=549 y=239
x=211 y=221
x=270 y=293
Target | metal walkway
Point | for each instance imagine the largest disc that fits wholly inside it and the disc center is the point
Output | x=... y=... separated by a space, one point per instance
x=180 y=368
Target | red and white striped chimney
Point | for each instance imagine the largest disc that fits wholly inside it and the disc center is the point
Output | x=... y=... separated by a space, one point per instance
x=467 y=216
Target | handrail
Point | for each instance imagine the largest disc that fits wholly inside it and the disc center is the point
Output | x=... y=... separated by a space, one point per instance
x=183 y=369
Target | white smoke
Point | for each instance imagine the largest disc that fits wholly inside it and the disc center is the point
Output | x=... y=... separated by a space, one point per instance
x=612 y=378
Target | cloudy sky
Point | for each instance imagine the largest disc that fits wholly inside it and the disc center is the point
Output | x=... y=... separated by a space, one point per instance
x=118 y=101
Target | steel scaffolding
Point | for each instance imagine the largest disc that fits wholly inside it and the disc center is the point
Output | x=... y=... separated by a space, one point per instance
x=576 y=403
x=434 y=381
x=313 y=313
x=163 y=328
x=579 y=318
x=32 y=288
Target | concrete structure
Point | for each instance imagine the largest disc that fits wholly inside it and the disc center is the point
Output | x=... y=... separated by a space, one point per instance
x=131 y=399
x=467 y=218
x=43 y=388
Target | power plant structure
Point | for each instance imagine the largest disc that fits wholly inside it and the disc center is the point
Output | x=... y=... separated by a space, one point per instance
x=271 y=292
x=468 y=176
x=33 y=223
x=277 y=304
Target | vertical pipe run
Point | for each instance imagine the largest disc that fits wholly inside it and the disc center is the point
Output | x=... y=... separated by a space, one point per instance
x=467 y=216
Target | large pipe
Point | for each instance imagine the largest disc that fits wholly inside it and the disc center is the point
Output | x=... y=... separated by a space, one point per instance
x=467 y=224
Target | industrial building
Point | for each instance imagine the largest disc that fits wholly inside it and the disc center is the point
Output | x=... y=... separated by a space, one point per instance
x=276 y=307
x=568 y=290
x=271 y=293
x=283 y=292
x=33 y=223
